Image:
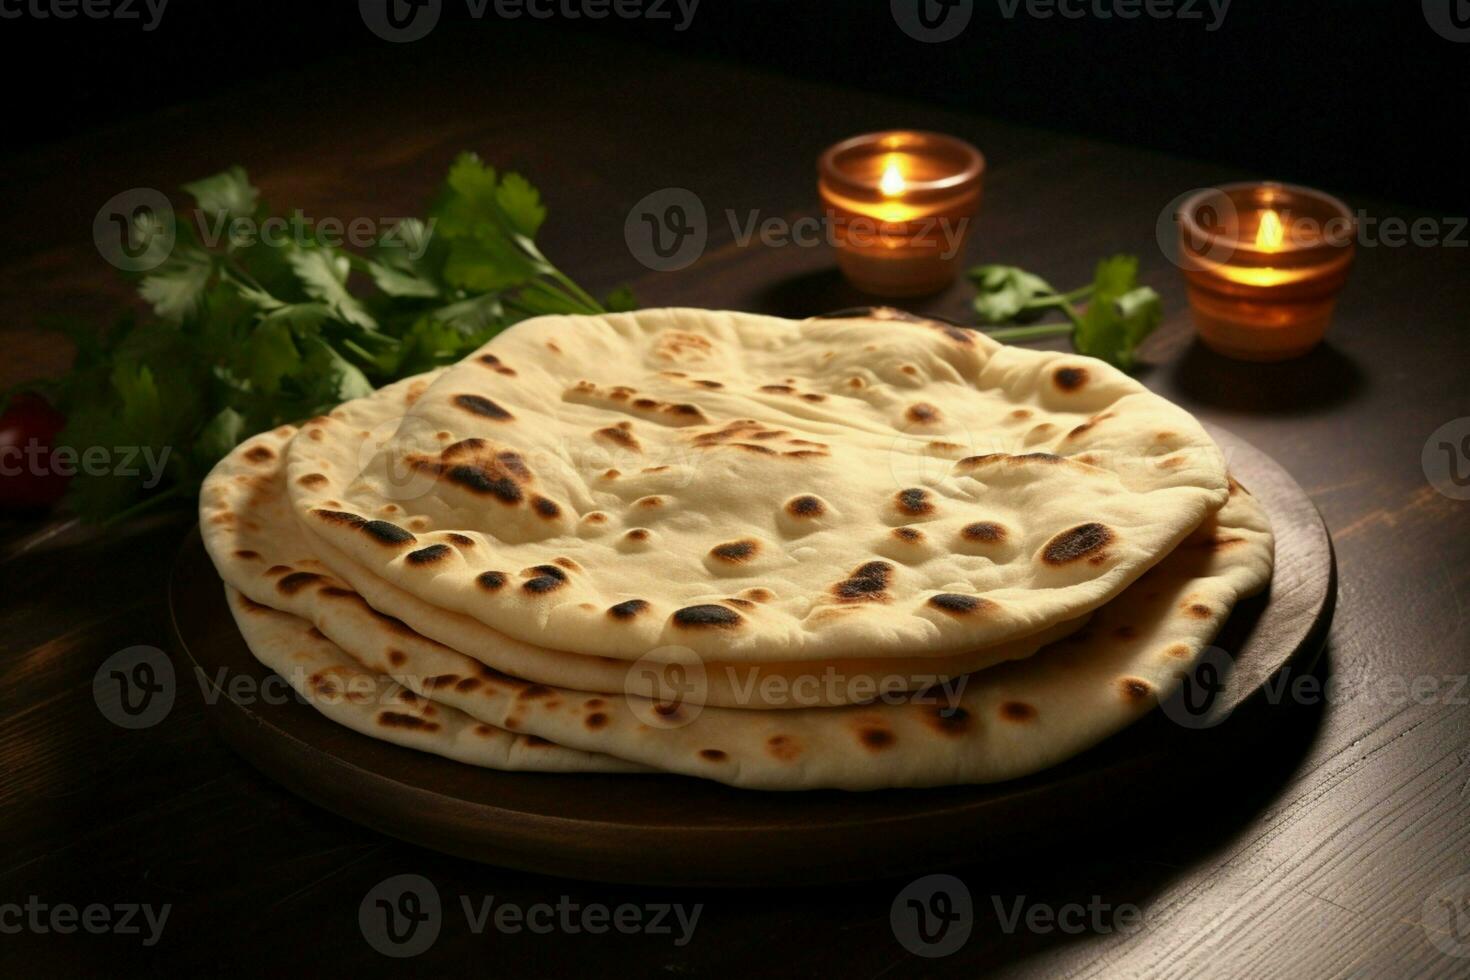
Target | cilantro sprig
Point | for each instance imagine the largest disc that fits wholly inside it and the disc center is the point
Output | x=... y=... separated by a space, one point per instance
x=1118 y=316
x=246 y=332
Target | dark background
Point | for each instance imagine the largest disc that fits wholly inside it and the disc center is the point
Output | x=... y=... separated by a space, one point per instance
x=1324 y=836
x=1363 y=98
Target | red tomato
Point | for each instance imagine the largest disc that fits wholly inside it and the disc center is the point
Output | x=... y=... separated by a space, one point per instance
x=28 y=431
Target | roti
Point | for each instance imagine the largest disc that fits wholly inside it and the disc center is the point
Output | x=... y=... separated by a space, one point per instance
x=996 y=724
x=761 y=490
x=252 y=537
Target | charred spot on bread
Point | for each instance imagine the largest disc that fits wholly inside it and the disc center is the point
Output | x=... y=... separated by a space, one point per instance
x=1070 y=378
x=1074 y=544
x=922 y=413
x=867 y=583
x=627 y=609
x=987 y=532
x=947 y=720
x=479 y=480
x=707 y=616
x=1134 y=688
x=1017 y=711
x=483 y=407
x=736 y=552
x=914 y=501
x=397 y=719
x=428 y=555
x=957 y=604
x=296 y=581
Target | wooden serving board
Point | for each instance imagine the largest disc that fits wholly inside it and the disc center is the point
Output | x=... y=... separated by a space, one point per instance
x=680 y=830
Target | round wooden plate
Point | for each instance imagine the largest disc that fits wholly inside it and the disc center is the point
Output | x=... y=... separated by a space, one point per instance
x=680 y=830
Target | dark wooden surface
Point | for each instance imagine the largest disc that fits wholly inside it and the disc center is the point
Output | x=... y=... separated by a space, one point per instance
x=1310 y=849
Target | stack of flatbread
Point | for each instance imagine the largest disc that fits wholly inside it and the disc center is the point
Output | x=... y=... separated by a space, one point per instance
x=855 y=553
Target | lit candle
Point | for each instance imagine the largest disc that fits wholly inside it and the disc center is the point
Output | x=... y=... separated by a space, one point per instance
x=892 y=183
x=900 y=204
x=1264 y=264
x=1271 y=233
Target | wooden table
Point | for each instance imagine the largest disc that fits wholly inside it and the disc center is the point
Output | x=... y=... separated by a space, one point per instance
x=1326 y=827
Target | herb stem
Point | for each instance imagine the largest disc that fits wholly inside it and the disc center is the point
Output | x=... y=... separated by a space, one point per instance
x=580 y=294
x=546 y=289
x=577 y=292
x=1006 y=334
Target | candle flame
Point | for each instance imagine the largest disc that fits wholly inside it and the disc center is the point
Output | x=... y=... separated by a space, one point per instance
x=1271 y=233
x=892 y=183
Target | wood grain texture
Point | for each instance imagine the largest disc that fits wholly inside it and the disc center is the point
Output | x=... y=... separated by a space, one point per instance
x=1311 y=853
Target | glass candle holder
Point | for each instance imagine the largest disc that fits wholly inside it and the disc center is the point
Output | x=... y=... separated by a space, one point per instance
x=900 y=204
x=1264 y=263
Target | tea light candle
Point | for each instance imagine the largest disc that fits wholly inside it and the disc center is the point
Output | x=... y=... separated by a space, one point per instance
x=900 y=205
x=1264 y=264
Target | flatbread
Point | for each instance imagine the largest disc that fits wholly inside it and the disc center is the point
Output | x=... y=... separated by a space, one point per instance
x=762 y=490
x=246 y=517
x=1003 y=722
x=342 y=689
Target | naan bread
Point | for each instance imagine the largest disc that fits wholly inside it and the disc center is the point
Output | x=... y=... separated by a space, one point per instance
x=252 y=537
x=762 y=490
x=342 y=689
x=1001 y=723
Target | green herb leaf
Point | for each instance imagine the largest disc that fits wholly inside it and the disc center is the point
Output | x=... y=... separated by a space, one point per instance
x=337 y=379
x=488 y=263
x=401 y=281
x=1113 y=327
x=1119 y=315
x=402 y=265
x=176 y=287
x=521 y=204
x=228 y=194
x=272 y=355
x=220 y=435
x=323 y=275
x=1008 y=294
x=248 y=336
x=620 y=300
x=476 y=315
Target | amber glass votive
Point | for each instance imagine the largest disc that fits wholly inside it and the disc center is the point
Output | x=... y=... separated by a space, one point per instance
x=1264 y=263
x=900 y=204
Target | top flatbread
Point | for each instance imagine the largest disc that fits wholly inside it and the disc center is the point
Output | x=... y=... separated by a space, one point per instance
x=253 y=538
x=762 y=489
